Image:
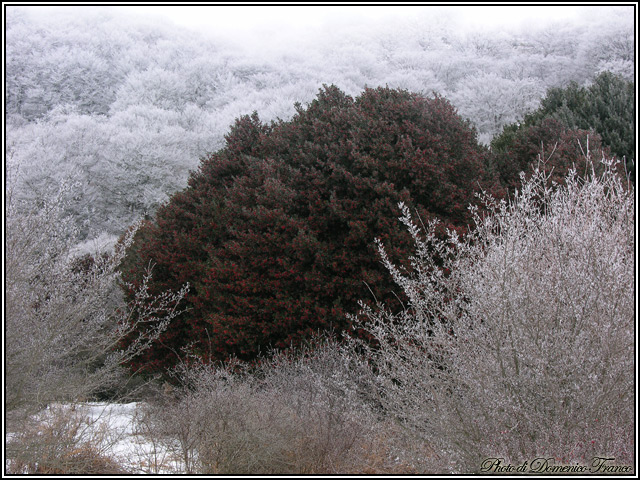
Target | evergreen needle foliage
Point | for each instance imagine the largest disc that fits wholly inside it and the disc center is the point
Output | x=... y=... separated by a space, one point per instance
x=275 y=231
x=605 y=108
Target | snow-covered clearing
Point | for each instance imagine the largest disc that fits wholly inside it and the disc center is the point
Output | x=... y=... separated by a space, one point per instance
x=119 y=432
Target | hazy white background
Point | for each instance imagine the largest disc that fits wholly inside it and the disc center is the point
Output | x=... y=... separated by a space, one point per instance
x=249 y=17
x=271 y=23
x=129 y=98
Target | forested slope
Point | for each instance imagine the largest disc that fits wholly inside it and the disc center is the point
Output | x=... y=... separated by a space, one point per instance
x=129 y=105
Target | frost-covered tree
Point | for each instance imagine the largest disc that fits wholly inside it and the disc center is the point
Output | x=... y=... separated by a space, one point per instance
x=127 y=164
x=602 y=47
x=144 y=99
x=494 y=101
x=517 y=341
x=64 y=311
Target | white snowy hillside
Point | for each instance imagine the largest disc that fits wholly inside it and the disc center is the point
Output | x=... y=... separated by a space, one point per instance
x=126 y=101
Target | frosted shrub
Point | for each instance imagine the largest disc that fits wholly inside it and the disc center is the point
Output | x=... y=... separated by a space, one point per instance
x=303 y=411
x=61 y=440
x=518 y=342
x=64 y=316
x=327 y=391
x=216 y=423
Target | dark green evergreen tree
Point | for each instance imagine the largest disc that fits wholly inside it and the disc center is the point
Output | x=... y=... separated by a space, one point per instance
x=606 y=107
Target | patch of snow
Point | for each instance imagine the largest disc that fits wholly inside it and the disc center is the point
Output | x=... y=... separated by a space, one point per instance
x=119 y=432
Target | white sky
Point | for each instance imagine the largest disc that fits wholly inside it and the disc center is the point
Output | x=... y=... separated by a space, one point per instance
x=233 y=21
x=260 y=28
x=248 y=17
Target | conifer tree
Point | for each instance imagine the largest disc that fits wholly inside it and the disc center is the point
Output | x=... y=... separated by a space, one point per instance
x=275 y=232
x=605 y=108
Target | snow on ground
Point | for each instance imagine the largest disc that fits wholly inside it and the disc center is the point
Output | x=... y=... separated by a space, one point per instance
x=119 y=431
x=127 y=442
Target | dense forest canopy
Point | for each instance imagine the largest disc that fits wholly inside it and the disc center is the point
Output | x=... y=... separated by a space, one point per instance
x=127 y=105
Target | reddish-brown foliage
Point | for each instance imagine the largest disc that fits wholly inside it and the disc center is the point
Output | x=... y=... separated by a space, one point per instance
x=275 y=232
x=558 y=147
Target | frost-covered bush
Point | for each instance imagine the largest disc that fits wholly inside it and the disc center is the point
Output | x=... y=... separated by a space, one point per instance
x=304 y=411
x=64 y=313
x=517 y=341
x=62 y=439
